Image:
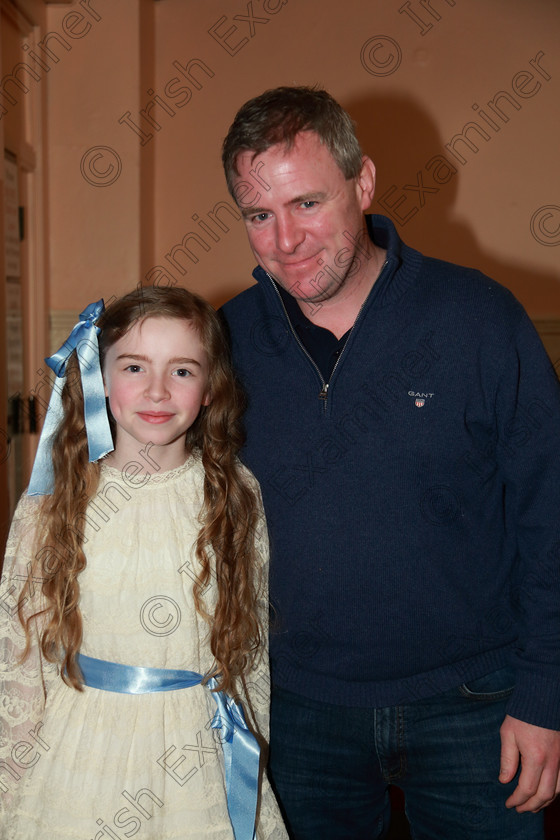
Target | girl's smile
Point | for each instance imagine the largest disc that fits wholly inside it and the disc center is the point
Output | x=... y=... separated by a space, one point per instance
x=155 y=416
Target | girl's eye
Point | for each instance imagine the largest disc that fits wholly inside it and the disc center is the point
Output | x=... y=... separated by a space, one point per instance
x=182 y=372
x=133 y=368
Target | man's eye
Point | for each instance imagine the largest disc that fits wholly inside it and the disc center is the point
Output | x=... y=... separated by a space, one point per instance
x=308 y=204
x=260 y=217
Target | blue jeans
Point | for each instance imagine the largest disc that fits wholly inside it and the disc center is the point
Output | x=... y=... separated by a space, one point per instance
x=331 y=766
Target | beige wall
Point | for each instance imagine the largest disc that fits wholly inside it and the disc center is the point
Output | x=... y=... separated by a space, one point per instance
x=94 y=230
x=412 y=73
x=134 y=97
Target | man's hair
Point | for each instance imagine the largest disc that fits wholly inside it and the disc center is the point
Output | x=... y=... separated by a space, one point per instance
x=279 y=115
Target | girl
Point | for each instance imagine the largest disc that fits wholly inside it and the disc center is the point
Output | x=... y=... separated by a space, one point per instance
x=133 y=602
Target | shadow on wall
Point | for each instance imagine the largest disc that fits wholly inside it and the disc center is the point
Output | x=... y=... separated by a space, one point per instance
x=417 y=182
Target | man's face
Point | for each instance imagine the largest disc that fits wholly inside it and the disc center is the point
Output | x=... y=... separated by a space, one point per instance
x=302 y=217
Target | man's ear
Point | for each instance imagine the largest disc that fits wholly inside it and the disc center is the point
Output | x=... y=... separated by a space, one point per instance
x=366 y=182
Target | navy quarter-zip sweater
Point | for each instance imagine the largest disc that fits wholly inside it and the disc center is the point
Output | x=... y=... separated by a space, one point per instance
x=414 y=511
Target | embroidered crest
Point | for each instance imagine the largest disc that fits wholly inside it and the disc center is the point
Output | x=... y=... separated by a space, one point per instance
x=420 y=398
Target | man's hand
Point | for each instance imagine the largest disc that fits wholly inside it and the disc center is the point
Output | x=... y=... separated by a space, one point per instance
x=539 y=749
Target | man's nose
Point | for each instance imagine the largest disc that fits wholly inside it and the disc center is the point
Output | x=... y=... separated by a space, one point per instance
x=289 y=234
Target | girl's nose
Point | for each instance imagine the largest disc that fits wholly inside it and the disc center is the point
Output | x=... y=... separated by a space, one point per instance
x=156 y=389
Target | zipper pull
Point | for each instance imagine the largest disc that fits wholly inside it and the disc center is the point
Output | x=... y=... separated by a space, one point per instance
x=323 y=393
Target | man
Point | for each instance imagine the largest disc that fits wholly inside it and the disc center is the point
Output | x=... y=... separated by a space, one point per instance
x=404 y=424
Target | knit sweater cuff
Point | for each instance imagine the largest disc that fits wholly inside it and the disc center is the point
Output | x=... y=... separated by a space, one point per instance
x=536 y=700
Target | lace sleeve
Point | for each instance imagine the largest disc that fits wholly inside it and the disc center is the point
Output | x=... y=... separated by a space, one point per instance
x=255 y=693
x=23 y=685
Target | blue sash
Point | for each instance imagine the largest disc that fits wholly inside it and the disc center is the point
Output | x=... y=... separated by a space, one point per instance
x=241 y=749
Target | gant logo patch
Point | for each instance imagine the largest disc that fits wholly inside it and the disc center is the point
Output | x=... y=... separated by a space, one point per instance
x=420 y=398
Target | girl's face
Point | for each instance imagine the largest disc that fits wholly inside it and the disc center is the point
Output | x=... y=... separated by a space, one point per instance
x=156 y=379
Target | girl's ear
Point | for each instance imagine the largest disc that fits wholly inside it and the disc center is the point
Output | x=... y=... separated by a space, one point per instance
x=207 y=398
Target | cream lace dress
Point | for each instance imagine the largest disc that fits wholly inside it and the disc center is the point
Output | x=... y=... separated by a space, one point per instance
x=97 y=764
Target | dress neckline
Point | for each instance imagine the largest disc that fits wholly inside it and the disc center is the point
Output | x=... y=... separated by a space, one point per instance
x=148 y=472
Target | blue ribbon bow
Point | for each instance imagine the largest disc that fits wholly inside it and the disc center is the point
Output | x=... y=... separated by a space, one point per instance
x=83 y=339
x=240 y=747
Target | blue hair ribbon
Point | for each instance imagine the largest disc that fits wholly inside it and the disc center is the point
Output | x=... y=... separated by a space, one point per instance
x=82 y=339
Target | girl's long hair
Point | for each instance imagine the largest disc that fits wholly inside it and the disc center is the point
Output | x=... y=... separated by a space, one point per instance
x=229 y=518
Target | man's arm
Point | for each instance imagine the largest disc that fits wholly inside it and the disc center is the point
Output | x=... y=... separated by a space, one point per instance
x=539 y=751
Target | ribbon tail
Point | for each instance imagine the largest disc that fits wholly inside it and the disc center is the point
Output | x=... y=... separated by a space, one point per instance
x=243 y=786
x=241 y=760
x=42 y=475
x=100 y=439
